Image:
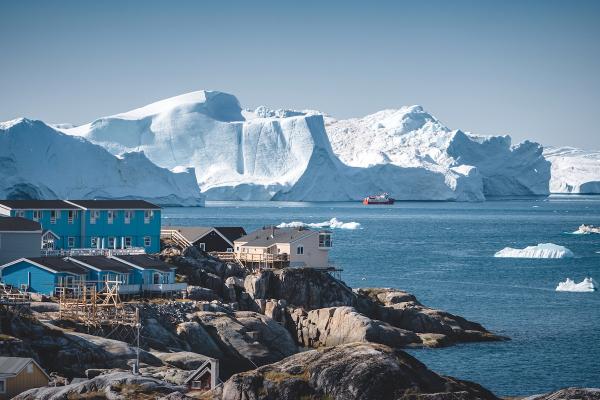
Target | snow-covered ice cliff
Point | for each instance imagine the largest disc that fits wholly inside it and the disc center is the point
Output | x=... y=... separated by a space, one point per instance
x=37 y=161
x=574 y=170
x=287 y=154
x=473 y=166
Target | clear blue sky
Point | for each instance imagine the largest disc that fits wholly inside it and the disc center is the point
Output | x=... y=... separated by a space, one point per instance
x=527 y=68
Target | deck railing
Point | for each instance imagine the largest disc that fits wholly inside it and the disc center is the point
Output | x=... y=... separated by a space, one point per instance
x=164 y=287
x=93 y=252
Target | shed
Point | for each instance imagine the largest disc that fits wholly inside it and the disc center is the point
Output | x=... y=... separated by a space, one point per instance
x=19 y=374
x=205 y=377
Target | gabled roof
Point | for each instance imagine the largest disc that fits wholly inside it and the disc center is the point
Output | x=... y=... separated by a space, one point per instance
x=144 y=261
x=17 y=224
x=14 y=365
x=115 y=204
x=102 y=263
x=205 y=366
x=232 y=233
x=195 y=233
x=58 y=264
x=268 y=236
x=191 y=233
x=37 y=205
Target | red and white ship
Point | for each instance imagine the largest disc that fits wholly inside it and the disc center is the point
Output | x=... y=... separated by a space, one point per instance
x=383 y=198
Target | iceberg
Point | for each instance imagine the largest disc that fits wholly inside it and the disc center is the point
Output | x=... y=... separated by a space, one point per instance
x=542 y=250
x=39 y=162
x=264 y=154
x=574 y=171
x=333 y=223
x=410 y=137
x=586 y=230
x=587 y=285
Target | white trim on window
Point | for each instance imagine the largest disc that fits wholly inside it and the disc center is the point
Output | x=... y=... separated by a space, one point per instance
x=71 y=241
x=2 y=386
x=110 y=216
x=37 y=215
x=147 y=241
x=300 y=250
x=127 y=242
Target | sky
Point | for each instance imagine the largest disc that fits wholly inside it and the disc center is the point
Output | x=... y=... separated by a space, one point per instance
x=525 y=68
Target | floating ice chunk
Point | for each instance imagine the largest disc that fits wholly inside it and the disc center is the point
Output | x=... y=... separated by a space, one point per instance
x=587 y=229
x=333 y=223
x=542 y=250
x=587 y=285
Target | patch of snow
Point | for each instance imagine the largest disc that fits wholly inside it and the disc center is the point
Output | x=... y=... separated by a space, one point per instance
x=333 y=223
x=587 y=285
x=39 y=162
x=574 y=170
x=542 y=250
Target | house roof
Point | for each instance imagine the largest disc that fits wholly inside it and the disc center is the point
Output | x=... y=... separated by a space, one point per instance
x=194 y=233
x=17 y=224
x=147 y=262
x=59 y=264
x=268 y=236
x=232 y=233
x=204 y=367
x=115 y=204
x=191 y=233
x=104 y=263
x=14 y=365
x=37 y=205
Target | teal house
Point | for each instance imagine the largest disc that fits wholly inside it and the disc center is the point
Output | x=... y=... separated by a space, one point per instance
x=135 y=274
x=99 y=224
x=42 y=274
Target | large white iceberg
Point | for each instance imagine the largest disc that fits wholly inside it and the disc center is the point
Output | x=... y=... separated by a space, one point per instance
x=569 y=285
x=542 y=250
x=410 y=137
x=38 y=162
x=287 y=155
x=574 y=170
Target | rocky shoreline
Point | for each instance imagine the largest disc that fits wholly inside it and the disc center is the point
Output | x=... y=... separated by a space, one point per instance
x=279 y=334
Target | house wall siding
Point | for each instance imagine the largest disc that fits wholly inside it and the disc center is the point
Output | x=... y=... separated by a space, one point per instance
x=24 y=381
x=23 y=273
x=15 y=245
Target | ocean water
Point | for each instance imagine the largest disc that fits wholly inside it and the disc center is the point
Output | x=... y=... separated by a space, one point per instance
x=443 y=253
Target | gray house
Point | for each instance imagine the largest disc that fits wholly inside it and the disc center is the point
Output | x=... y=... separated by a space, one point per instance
x=19 y=237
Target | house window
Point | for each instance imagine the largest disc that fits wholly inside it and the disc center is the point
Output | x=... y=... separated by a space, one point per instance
x=21 y=214
x=37 y=214
x=147 y=241
x=70 y=241
x=53 y=216
x=127 y=242
x=230 y=250
x=94 y=242
x=111 y=216
x=148 y=214
x=325 y=240
x=71 y=216
x=300 y=250
x=157 y=278
x=30 y=368
x=128 y=216
x=202 y=246
x=2 y=386
x=95 y=214
x=111 y=242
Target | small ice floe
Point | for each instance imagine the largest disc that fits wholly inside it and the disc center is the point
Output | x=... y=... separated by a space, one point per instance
x=333 y=223
x=586 y=230
x=586 y=285
x=542 y=250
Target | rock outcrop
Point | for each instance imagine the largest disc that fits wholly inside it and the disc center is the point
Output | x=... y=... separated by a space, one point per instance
x=352 y=371
x=569 y=394
x=117 y=385
x=339 y=325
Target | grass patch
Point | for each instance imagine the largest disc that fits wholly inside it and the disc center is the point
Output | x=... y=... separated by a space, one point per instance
x=277 y=376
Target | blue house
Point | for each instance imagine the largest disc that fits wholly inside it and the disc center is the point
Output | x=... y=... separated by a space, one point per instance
x=154 y=275
x=42 y=274
x=104 y=269
x=108 y=224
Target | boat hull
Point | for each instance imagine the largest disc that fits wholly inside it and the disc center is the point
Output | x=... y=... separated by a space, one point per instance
x=371 y=202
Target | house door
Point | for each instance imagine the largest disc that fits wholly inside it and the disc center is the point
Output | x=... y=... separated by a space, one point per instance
x=156 y=279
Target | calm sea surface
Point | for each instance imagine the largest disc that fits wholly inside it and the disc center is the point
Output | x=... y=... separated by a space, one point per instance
x=443 y=253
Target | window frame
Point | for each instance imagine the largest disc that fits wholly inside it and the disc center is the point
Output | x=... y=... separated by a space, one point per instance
x=147 y=241
x=110 y=216
x=300 y=250
x=37 y=215
x=2 y=386
x=114 y=242
x=69 y=239
x=127 y=239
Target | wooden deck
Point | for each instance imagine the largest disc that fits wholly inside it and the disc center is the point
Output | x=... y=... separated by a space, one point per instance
x=254 y=260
